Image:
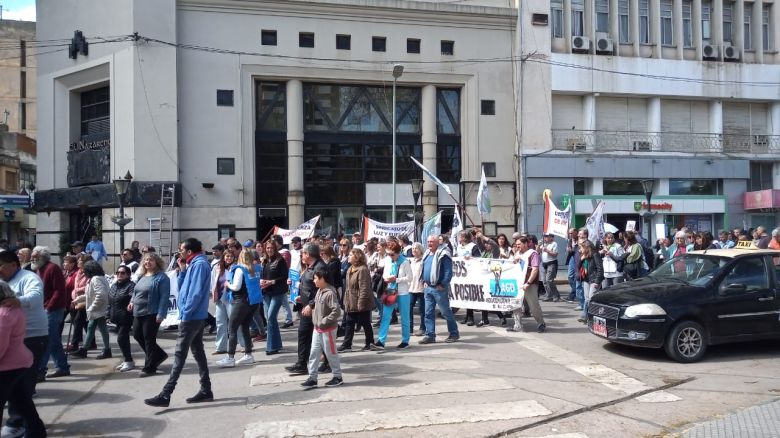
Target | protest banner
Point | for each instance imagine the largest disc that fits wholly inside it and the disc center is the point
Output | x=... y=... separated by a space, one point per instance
x=556 y=222
x=295 y=287
x=372 y=228
x=172 y=318
x=304 y=230
x=487 y=284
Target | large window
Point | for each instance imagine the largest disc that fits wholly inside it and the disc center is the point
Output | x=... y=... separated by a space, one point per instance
x=556 y=12
x=644 y=21
x=687 y=24
x=577 y=17
x=623 y=23
x=448 y=130
x=765 y=26
x=667 y=38
x=747 y=33
x=270 y=100
x=271 y=173
x=693 y=187
x=760 y=176
x=623 y=187
x=727 y=30
x=602 y=16
x=96 y=112
x=705 y=21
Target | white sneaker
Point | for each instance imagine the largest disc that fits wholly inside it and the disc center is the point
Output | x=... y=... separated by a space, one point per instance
x=127 y=366
x=226 y=362
x=12 y=432
x=246 y=360
x=119 y=367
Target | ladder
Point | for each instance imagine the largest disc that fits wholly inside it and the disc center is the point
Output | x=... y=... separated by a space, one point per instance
x=161 y=228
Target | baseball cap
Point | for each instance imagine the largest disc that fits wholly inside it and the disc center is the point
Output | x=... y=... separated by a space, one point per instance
x=249 y=244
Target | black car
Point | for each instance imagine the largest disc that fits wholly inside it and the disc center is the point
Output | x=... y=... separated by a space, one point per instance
x=701 y=298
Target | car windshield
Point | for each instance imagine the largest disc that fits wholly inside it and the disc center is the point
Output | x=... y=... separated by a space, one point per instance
x=695 y=269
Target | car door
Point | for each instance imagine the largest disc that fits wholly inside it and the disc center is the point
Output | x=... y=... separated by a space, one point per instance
x=745 y=302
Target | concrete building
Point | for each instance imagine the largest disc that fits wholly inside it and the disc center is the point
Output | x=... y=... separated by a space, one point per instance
x=271 y=112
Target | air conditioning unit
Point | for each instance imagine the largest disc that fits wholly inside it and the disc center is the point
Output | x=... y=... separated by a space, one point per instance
x=580 y=44
x=604 y=45
x=641 y=145
x=711 y=52
x=576 y=144
x=761 y=140
x=730 y=53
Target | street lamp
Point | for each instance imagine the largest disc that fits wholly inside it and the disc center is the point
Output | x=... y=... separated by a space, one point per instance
x=398 y=70
x=121 y=185
x=417 y=185
x=647 y=187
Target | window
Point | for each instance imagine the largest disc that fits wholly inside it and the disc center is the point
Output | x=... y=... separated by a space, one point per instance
x=750 y=272
x=666 y=23
x=687 y=26
x=448 y=112
x=96 y=112
x=271 y=173
x=412 y=45
x=623 y=21
x=765 y=26
x=577 y=17
x=226 y=166
x=27 y=178
x=727 y=30
x=226 y=231
x=270 y=98
x=306 y=39
x=644 y=21
x=705 y=21
x=623 y=187
x=760 y=176
x=224 y=97
x=693 y=187
x=579 y=187
x=378 y=44
x=748 y=34
x=268 y=37
x=602 y=16
x=343 y=42
x=490 y=169
x=11 y=182
x=488 y=107
x=447 y=47
x=556 y=11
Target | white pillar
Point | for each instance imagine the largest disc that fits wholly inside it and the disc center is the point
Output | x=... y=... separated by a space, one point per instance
x=655 y=28
x=738 y=25
x=716 y=122
x=654 y=120
x=589 y=119
x=774 y=118
x=716 y=24
x=776 y=175
x=756 y=27
x=614 y=25
x=697 y=34
x=590 y=23
x=677 y=28
x=633 y=18
x=295 y=198
x=567 y=24
x=430 y=198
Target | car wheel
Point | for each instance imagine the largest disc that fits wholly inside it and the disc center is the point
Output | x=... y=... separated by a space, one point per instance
x=686 y=342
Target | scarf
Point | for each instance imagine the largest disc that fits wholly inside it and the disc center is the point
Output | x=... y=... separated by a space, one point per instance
x=394 y=271
x=442 y=252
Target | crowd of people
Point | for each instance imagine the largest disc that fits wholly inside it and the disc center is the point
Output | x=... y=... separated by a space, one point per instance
x=338 y=285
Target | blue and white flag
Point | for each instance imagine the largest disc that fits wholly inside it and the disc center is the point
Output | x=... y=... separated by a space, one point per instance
x=432 y=177
x=483 y=196
x=431 y=227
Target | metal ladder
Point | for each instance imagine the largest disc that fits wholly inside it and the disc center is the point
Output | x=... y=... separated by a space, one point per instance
x=161 y=228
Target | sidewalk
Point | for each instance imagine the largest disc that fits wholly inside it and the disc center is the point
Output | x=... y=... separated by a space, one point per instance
x=761 y=421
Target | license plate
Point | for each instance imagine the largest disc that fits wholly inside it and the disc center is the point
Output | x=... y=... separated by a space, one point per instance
x=599 y=326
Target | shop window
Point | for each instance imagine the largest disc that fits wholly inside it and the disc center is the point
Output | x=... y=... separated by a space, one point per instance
x=379 y=44
x=624 y=187
x=344 y=42
x=306 y=39
x=693 y=187
x=268 y=37
x=412 y=45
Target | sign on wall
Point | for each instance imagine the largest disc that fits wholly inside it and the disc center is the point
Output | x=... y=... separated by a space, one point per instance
x=89 y=163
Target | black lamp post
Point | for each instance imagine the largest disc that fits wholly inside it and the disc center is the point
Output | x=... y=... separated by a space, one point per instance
x=417 y=185
x=647 y=187
x=121 y=185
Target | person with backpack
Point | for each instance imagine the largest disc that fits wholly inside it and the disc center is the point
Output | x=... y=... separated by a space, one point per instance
x=245 y=297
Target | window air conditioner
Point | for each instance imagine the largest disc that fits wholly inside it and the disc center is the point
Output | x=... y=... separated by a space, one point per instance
x=604 y=45
x=730 y=53
x=711 y=52
x=576 y=144
x=580 y=43
x=641 y=145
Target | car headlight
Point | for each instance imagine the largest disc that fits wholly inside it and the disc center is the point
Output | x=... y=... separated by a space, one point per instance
x=644 y=310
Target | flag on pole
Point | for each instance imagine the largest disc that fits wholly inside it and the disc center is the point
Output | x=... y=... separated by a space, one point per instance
x=483 y=195
x=595 y=224
x=431 y=227
x=457 y=226
x=433 y=178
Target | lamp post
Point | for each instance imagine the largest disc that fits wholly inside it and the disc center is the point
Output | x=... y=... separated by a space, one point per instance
x=417 y=185
x=647 y=187
x=121 y=185
x=398 y=70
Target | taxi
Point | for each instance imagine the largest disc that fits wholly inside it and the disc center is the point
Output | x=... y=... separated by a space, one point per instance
x=702 y=298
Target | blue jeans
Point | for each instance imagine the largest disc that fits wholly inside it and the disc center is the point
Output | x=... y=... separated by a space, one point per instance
x=287 y=310
x=433 y=298
x=100 y=325
x=272 y=306
x=419 y=300
x=403 y=312
x=222 y=315
x=571 y=273
x=55 y=350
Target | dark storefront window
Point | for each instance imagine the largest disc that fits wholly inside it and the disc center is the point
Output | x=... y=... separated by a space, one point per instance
x=271 y=106
x=623 y=187
x=96 y=113
x=333 y=174
x=693 y=187
x=271 y=174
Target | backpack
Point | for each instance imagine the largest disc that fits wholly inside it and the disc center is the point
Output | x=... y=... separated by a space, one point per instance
x=251 y=282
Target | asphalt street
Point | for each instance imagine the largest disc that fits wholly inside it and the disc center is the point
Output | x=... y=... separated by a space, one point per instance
x=563 y=383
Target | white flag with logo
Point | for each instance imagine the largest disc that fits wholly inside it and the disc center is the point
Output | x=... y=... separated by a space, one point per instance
x=457 y=226
x=595 y=224
x=483 y=196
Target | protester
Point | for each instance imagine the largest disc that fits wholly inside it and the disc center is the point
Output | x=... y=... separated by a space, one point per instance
x=119 y=296
x=397 y=276
x=193 y=299
x=311 y=262
x=591 y=273
x=416 y=289
x=79 y=315
x=436 y=276
x=56 y=302
x=531 y=260
x=95 y=301
x=220 y=297
x=149 y=304
x=358 y=300
x=242 y=308
x=274 y=284
x=96 y=249
x=633 y=266
x=325 y=318
x=611 y=254
x=549 y=253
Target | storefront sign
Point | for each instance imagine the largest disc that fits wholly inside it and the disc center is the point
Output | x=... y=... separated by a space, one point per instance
x=762 y=199
x=89 y=163
x=664 y=206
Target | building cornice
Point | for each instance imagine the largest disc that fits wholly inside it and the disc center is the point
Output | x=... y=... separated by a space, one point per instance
x=388 y=11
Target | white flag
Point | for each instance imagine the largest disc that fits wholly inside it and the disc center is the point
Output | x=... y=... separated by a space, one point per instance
x=431 y=227
x=304 y=230
x=433 y=177
x=595 y=224
x=483 y=196
x=457 y=226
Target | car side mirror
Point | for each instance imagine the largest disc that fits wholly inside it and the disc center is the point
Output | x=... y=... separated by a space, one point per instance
x=733 y=289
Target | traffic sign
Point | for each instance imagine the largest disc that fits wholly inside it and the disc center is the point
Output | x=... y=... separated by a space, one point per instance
x=17 y=201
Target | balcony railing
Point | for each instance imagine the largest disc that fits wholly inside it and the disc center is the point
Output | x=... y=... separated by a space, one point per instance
x=633 y=141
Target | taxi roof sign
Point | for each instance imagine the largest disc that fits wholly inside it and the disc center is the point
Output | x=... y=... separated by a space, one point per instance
x=746 y=244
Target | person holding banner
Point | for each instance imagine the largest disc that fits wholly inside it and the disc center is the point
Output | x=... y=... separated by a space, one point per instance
x=151 y=297
x=530 y=258
x=436 y=277
x=397 y=275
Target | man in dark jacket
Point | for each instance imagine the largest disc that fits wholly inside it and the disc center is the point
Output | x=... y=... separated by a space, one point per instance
x=311 y=262
x=56 y=301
